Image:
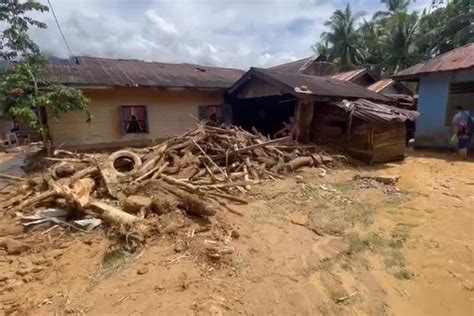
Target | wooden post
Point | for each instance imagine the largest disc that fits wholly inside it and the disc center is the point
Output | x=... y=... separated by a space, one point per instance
x=304 y=116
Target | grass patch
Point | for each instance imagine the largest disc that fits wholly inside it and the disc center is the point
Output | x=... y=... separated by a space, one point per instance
x=386 y=247
x=114 y=258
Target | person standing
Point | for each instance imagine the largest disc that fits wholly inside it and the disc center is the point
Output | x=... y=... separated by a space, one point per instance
x=463 y=126
x=463 y=138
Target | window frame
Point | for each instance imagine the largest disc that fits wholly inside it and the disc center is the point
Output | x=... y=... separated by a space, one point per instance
x=123 y=121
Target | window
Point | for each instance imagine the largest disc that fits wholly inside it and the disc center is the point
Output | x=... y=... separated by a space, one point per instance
x=460 y=94
x=134 y=119
x=206 y=111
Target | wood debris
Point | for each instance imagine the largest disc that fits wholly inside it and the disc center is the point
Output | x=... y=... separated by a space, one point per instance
x=202 y=171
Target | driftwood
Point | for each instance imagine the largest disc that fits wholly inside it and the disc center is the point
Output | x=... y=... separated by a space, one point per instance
x=298 y=163
x=111 y=214
x=9 y=177
x=203 y=170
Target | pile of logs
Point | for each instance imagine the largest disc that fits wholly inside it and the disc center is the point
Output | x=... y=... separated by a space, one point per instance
x=198 y=172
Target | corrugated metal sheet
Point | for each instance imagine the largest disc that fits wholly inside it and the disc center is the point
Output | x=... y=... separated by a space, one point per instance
x=349 y=75
x=375 y=112
x=308 y=66
x=459 y=58
x=381 y=85
x=305 y=85
x=136 y=73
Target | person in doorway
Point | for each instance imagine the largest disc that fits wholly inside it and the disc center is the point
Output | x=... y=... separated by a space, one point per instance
x=288 y=129
x=134 y=126
x=212 y=121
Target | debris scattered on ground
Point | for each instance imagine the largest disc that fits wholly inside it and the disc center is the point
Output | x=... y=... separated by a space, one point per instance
x=385 y=179
x=198 y=173
x=384 y=182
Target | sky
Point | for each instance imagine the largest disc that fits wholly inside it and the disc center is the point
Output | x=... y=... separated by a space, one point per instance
x=227 y=33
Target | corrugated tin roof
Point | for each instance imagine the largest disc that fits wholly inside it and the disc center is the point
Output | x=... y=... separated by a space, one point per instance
x=305 y=86
x=349 y=75
x=381 y=85
x=456 y=59
x=375 y=112
x=137 y=73
x=308 y=66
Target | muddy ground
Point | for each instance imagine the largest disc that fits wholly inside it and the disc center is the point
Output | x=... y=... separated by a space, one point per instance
x=305 y=245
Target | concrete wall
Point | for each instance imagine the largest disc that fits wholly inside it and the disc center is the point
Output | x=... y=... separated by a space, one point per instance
x=169 y=113
x=431 y=127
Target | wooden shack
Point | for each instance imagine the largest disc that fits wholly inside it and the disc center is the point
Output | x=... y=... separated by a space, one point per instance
x=370 y=140
x=326 y=110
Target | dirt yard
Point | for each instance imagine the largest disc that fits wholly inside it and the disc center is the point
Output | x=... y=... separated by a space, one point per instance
x=306 y=245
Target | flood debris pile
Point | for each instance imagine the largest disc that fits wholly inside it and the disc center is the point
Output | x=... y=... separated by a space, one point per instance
x=199 y=173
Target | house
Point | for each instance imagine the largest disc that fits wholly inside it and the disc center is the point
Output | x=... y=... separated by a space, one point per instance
x=134 y=102
x=444 y=83
x=264 y=98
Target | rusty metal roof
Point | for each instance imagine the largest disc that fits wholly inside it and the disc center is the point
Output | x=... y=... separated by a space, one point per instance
x=306 y=86
x=381 y=85
x=308 y=66
x=137 y=73
x=349 y=75
x=456 y=59
x=375 y=112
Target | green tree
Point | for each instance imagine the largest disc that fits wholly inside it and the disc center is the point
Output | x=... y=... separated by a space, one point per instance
x=393 y=6
x=398 y=42
x=446 y=28
x=323 y=50
x=371 y=32
x=21 y=93
x=344 y=38
x=14 y=40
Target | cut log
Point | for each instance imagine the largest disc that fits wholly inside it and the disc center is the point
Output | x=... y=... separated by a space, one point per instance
x=113 y=215
x=297 y=163
x=189 y=203
x=135 y=203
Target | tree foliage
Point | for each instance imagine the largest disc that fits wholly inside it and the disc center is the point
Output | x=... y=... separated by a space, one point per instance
x=22 y=89
x=14 y=41
x=395 y=38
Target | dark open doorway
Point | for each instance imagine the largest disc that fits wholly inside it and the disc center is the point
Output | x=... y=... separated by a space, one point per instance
x=266 y=114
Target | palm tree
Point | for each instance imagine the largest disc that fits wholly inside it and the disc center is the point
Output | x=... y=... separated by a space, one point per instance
x=398 y=42
x=370 y=32
x=393 y=6
x=344 y=38
x=323 y=50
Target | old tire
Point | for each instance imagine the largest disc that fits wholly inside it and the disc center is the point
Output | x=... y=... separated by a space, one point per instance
x=125 y=154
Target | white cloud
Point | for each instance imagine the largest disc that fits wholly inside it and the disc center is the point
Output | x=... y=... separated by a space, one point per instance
x=214 y=32
x=160 y=23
